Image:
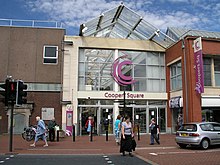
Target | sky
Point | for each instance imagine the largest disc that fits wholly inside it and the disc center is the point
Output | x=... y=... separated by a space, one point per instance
x=190 y=14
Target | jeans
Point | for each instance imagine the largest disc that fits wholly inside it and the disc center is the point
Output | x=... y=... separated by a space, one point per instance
x=152 y=137
x=117 y=135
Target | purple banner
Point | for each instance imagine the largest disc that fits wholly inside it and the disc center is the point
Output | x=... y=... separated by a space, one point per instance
x=69 y=122
x=199 y=72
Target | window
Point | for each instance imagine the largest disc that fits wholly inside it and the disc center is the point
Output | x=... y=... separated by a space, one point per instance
x=207 y=71
x=50 y=54
x=176 y=76
x=217 y=71
x=188 y=127
x=216 y=127
x=95 y=70
x=206 y=127
x=95 y=66
x=148 y=70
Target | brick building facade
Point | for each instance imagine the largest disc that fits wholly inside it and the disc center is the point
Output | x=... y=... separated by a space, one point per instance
x=194 y=107
x=33 y=55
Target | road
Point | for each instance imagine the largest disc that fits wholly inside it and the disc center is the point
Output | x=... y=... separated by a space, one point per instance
x=70 y=159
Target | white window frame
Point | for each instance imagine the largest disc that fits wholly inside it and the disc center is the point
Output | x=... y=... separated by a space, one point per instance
x=44 y=57
x=175 y=77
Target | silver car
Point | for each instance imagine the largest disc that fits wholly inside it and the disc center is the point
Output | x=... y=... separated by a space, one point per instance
x=201 y=134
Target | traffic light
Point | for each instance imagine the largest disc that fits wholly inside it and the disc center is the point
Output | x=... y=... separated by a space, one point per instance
x=3 y=92
x=20 y=94
x=9 y=91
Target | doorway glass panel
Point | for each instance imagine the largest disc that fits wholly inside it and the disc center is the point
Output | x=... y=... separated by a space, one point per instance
x=106 y=120
x=86 y=112
x=140 y=119
x=159 y=114
x=162 y=119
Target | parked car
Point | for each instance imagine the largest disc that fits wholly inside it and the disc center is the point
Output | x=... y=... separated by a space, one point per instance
x=201 y=134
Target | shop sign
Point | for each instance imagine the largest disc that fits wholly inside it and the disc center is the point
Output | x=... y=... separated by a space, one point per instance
x=198 y=65
x=175 y=102
x=121 y=96
x=69 y=120
x=47 y=113
x=117 y=74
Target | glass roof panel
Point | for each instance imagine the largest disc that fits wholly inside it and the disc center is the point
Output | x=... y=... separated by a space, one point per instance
x=121 y=22
x=129 y=17
x=145 y=29
x=120 y=30
x=109 y=14
x=133 y=37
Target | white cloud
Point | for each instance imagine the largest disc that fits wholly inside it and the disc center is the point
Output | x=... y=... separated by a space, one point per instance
x=76 y=12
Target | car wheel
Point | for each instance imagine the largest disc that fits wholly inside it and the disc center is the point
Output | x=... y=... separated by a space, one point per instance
x=182 y=145
x=204 y=144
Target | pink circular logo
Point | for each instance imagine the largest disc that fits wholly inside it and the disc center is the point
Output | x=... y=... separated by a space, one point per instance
x=117 y=74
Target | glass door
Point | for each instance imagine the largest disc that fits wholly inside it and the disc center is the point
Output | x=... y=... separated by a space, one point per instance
x=159 y=114
x=162 y=119
x=86 y=112
x=106 y=120
x=140 y=119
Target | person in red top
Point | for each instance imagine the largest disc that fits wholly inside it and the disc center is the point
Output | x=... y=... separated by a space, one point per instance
x=89 y=125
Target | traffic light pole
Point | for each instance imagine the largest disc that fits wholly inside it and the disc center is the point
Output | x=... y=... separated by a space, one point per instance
x=11 y=127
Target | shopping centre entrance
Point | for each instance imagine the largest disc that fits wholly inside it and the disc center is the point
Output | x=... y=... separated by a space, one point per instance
x=140 y=115
x=103 y=117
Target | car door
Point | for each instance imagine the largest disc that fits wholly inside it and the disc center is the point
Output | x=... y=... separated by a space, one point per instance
x=208 y=131
x=216 y=130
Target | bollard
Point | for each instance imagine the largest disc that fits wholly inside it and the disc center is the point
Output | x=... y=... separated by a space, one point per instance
x=58 y=135
x=138 y=132
x=74 y=134
x=106 y=137
x=91 y=135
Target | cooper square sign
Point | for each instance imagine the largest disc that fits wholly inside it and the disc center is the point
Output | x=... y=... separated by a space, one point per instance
x=117 y=74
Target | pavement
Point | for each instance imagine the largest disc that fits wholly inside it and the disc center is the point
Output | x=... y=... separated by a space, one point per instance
x=167 y=153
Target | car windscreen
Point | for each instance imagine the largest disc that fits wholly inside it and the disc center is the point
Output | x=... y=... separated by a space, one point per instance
x=188 y=127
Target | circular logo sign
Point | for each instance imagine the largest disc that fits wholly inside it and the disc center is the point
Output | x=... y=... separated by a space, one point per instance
x=117 y=74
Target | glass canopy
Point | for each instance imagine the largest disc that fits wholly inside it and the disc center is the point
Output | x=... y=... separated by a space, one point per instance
x=121 y=22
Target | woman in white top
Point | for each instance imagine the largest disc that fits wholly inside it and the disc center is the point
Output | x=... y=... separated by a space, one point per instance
x=126 y=137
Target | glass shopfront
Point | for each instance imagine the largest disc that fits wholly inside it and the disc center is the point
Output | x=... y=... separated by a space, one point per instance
x=103 y=115
x=148 y=69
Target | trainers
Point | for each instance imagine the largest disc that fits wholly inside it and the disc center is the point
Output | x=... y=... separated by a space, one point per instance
x=123 y=154
x=46 y=145
x=130 y=154
x=32 y=145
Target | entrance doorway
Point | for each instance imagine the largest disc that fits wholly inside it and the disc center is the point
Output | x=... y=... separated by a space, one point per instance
x=140 y=118
x=159 y=113
x=86 y=112
x=106 y=120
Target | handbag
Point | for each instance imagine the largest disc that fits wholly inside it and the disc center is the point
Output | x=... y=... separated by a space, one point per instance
x=134 y=144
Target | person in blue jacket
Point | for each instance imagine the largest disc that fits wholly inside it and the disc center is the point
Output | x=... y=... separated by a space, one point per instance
x=40 y=132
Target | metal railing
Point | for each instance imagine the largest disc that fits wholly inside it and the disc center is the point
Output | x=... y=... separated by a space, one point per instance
x=30 y=23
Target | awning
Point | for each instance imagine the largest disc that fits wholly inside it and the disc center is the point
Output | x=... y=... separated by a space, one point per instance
x=211 y=101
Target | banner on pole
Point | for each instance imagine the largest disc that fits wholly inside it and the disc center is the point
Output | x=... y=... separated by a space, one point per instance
x=198 y=60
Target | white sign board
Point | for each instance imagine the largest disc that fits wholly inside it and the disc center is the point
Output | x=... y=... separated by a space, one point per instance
x=47 y=113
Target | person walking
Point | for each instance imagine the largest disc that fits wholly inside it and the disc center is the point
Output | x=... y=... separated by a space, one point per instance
x=89 y=125
x=51 y=126
x=126 y=137
x=179 y=121
x=154 y=129
x=40 y=132
x=117 y=129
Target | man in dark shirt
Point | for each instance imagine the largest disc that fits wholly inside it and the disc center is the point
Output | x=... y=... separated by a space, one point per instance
x=51 y=125
x=154 y=128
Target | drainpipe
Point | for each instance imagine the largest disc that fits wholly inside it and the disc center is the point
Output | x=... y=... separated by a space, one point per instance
x=185 y=80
